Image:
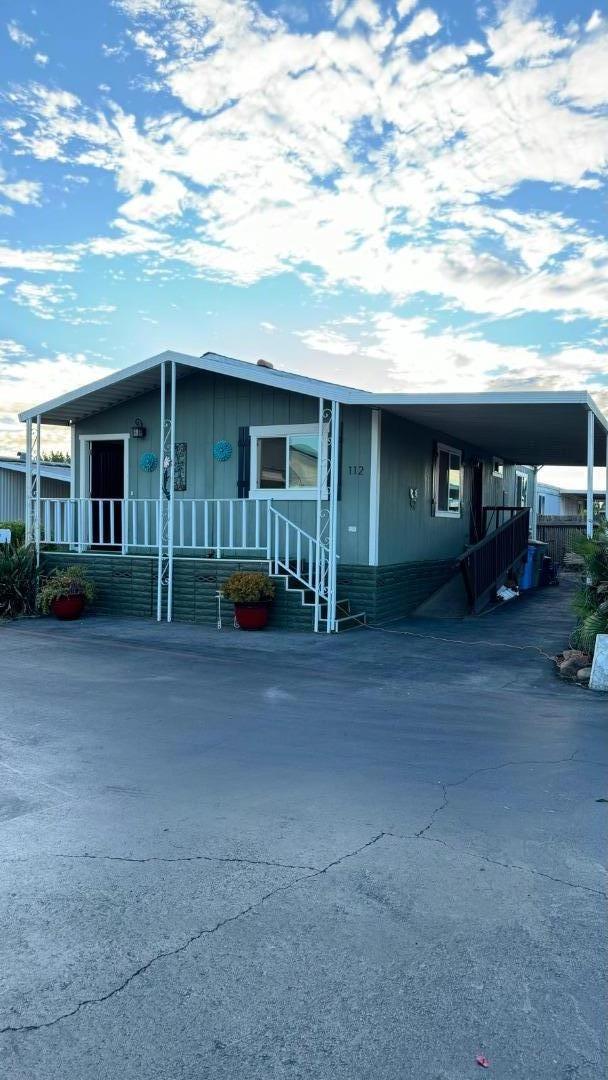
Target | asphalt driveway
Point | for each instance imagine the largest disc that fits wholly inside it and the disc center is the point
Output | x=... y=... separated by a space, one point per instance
x=236 y=856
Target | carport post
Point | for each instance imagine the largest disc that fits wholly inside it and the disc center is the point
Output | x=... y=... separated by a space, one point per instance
x=28 y=482
x=590 y=447
x=606 y=484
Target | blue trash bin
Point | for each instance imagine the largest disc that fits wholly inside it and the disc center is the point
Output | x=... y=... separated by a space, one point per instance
x=526 y=580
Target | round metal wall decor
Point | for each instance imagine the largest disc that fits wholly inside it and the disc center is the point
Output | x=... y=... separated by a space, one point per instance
x=148 y=462
x=222 y=450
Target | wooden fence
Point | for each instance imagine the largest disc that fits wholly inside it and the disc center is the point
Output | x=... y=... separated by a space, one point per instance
x=560 y=533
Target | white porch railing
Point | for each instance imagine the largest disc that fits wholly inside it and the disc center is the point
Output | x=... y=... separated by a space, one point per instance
x=207 y=526
x=235 y=525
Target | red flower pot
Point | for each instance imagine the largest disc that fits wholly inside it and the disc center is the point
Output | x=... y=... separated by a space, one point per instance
x=251 y=616
x=68 y=607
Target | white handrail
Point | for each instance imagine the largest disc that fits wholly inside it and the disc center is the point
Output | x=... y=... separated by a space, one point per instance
x=287 y=555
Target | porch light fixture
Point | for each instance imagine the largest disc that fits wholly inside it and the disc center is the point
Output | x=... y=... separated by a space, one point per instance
x=138 y=430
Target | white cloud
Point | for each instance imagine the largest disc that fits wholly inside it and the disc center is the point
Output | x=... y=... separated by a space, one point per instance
x=26 y=192
x=410 y=356
x=595 y=21
x=28 y=378
x=263 y=155
x=41 y=59
x=44 y=259
x=19 y=36
x=52 y=301
x=424 y=25
x=404 y=7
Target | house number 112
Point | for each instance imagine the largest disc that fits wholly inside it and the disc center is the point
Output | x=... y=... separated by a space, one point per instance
x=356 y=470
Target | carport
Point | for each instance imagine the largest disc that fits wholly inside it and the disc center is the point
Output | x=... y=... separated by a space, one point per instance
x=551 y=428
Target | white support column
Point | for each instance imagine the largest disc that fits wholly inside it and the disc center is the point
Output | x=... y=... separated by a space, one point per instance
x=321 y=476
x=606 y=485
x=332 y=593
x=37 y=523
x=534 y=503
x=161 y=499
x=374 y=488
x=29 y=532
x=171 y=497
x=590 y=450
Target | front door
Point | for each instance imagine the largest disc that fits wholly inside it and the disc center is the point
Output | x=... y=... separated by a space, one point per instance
x=107 y=457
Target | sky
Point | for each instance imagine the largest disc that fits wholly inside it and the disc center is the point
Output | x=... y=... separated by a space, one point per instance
x=396 y=195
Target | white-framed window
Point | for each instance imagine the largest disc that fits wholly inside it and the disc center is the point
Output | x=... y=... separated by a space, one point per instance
x=521 y=488
x=285 y=461
x=448 y=481
x=541 y=504
x=498 y=468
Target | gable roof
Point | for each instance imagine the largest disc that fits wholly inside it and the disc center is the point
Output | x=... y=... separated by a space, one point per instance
x=140 y=378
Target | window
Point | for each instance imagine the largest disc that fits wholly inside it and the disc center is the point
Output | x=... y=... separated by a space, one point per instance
x=498 y=468
x=521 y=488
x=541 y=504
x=448 y=481
x=284 y=461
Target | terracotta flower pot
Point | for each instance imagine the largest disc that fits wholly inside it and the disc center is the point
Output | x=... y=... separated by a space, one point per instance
x=68 y=607
x=251 y=616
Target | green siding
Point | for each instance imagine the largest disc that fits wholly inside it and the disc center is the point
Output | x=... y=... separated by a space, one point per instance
x=415 y=534
x=211 y=407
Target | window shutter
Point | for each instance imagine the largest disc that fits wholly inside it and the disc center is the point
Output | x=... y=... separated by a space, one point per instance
x=244 y=463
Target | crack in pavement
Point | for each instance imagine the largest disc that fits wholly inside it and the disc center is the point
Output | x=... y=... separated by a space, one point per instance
x=495 y=768
x=191 y=940
x=504 y=865
x=181 y=859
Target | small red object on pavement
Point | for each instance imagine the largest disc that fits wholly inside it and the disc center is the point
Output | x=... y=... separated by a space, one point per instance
x=483 y=1061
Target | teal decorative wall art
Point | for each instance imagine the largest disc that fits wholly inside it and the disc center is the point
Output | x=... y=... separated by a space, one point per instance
x=148 y=462
x=222 y=450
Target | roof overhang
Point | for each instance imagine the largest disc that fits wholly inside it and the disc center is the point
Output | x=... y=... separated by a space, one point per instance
x=142 y=378
x=536 y=428
x=531 y=428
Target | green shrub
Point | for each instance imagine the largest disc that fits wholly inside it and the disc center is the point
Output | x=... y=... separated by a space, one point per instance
x=591 y=601
x=17 y=531
x=248 y=587
x=18 y=581
x=65 y=581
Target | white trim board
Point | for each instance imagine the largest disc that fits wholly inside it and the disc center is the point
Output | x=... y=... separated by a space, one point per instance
x=84 y=469
x=374 y=487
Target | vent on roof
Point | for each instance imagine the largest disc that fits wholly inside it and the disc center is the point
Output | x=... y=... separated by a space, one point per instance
x=264 y=363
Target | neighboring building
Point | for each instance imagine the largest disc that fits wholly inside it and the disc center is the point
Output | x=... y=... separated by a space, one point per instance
x=55 y=484
x=562 y=502
x=548 y=500
x=360 y=502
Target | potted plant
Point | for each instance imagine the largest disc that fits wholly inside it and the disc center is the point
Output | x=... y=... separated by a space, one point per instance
x=251 y=593
x=65 y=592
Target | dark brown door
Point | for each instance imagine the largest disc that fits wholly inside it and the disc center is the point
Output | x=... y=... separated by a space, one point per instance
x=107 y=483
x=476 y=527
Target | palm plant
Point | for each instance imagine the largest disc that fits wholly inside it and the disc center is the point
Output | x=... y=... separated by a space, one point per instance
x=18 y=581
x=591 y=601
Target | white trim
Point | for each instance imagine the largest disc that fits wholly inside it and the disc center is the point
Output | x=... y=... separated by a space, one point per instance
x=525 y=475
x=268 y=431
x=280 y=431
x=73 y=461
x=84 y=461
x=446 y=513
x=374 y=487
x=590 y=463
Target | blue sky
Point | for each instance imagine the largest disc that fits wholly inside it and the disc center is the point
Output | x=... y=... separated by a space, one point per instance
x=397 y=195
